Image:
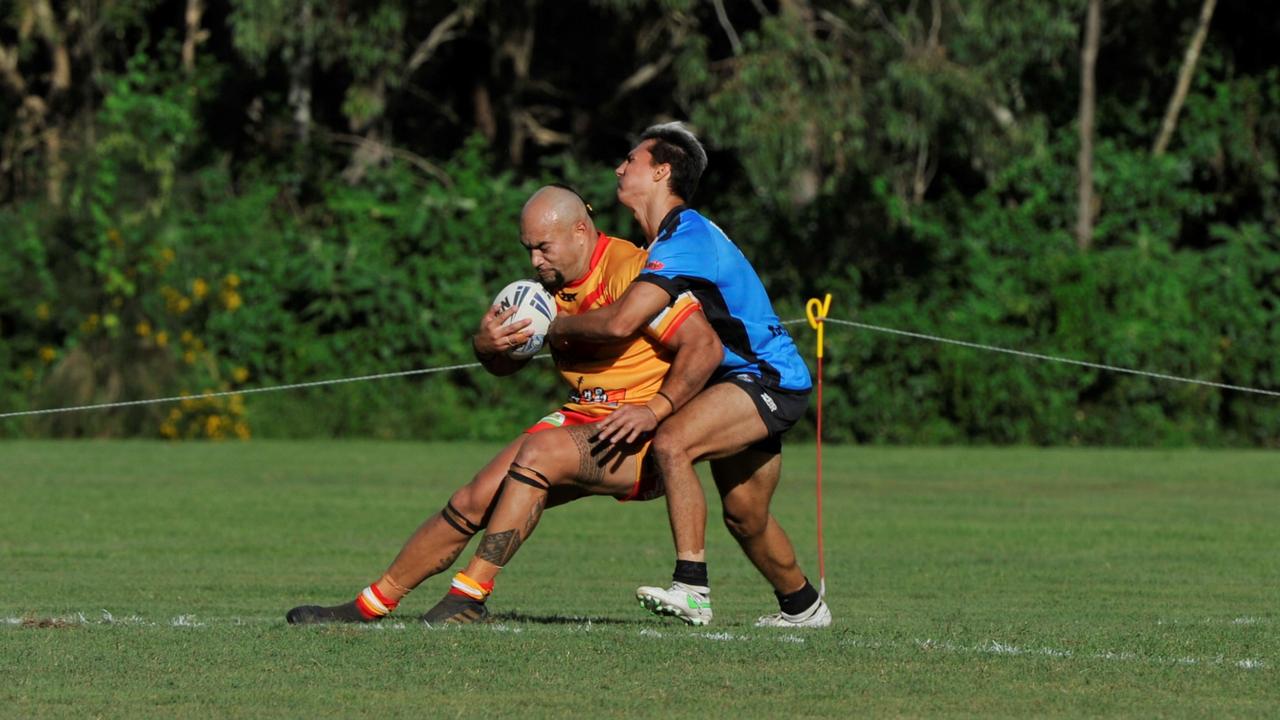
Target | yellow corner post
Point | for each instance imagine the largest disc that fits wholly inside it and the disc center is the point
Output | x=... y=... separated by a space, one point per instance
x=816 y=310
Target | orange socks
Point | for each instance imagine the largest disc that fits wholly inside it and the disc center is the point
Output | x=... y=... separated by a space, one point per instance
x=464 y=585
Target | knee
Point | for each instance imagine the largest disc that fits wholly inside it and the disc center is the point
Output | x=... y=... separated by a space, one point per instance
x=542 y=455
x=668 y=447
x=744 y=523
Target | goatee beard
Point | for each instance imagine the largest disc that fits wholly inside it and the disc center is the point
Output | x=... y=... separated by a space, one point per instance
x=554 y=284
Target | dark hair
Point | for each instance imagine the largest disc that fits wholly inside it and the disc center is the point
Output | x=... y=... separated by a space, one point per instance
x=674 y=145
x=591 y=212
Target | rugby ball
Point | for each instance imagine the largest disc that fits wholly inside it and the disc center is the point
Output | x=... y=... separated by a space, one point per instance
x=532 y=302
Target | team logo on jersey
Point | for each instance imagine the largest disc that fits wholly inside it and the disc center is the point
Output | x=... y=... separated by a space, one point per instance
x=654 y=265
x=568 y=297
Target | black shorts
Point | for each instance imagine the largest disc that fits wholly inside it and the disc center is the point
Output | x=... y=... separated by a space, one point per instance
x=778 y=408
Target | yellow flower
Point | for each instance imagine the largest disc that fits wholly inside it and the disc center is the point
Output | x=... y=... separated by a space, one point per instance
x=162 y=338
x=48 y=354
x=213 y=426
x=187 y=337
x=42 y=311
x=240 y=374
x=189 y=357
x=236 y=404
x=175 y=414
x=90 y=323
x=183 y=305
x=231 y=281
x=143 y=328
x=231 y=299
x=242 y=430
x=199 y=288
x=169 y=430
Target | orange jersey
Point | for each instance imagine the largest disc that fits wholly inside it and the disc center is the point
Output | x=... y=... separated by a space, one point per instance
x=605 y=375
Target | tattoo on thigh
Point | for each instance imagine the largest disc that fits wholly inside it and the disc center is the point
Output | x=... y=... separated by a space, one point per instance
x=590 y=470
x=499 y=548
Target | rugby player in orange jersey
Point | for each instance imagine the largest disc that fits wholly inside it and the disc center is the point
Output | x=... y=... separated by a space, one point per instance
x=557 y=459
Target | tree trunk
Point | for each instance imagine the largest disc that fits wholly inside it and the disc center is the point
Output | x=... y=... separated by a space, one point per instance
x=1184 y=80
x=300 y=77
x=195 y=36
x=1088 y=62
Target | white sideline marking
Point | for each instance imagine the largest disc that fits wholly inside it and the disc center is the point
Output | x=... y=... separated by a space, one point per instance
x=997 y=648
x=721 y=636
x=990 y=647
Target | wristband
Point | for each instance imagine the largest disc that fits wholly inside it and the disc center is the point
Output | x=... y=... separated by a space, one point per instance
x=669 y=400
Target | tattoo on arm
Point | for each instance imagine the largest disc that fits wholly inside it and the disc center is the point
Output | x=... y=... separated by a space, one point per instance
x=500 y=547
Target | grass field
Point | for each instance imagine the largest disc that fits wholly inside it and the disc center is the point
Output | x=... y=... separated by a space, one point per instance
x=147 y=579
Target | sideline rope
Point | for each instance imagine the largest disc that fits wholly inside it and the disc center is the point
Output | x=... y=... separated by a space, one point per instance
x=1054 y=358
x=250 y=391
x=467 y=366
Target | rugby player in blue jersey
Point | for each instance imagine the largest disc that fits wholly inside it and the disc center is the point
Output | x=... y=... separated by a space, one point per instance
x=759 y=391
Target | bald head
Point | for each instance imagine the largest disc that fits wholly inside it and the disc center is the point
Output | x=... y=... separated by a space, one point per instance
x=557 y=230
x=553 y=206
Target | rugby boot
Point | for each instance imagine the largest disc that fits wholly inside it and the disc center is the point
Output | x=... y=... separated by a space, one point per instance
x=314 y=614
x=689 y=603
x=456 y=609
x=817 y=616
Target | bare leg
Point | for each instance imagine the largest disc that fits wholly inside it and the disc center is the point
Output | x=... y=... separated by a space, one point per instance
x=746 y=483
x=553 y=467
x=437 y=542
x=431 y=549
x=718 y=421
x=562 y=464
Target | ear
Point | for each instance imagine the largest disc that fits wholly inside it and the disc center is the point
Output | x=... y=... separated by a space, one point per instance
x=661 y=172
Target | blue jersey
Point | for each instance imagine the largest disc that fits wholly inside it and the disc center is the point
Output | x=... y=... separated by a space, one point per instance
x=691 y=254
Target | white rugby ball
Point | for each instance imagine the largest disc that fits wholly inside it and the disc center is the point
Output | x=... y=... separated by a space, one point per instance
x=534 y=303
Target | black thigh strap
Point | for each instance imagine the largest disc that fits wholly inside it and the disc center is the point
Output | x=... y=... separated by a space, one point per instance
x=528 y=476
x=459 y=521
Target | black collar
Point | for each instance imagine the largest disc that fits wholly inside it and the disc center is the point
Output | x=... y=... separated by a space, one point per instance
x=669 y=222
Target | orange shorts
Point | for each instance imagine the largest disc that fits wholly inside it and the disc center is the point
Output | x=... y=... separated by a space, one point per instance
x=648 y=485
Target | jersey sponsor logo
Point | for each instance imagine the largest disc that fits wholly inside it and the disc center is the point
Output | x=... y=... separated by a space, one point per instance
x=654 y=265
x=597 y=395
x=568 y=297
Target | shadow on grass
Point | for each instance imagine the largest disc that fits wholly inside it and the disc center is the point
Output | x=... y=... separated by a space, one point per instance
x=559 y=619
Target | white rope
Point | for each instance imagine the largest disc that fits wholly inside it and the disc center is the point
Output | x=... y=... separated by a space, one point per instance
x=250 y=391
x=468 y=366
x=1052 y=358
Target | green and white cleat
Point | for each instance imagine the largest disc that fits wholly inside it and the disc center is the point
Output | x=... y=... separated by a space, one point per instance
x=687 y=602
x=817 y=616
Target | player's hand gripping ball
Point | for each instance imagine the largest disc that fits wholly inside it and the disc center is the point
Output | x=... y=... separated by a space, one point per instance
x=534 y=303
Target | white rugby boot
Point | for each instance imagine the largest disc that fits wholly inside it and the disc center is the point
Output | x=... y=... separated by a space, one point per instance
x=689 y=603
x=817 y=616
